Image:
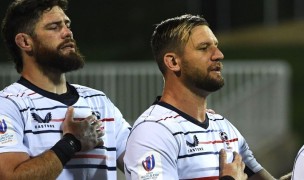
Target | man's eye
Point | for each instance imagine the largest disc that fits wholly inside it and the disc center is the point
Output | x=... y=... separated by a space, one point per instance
x=53 y=27
x=204 y=48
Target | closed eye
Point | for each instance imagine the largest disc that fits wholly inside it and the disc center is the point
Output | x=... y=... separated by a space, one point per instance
x=53 y=27
x=203 y=49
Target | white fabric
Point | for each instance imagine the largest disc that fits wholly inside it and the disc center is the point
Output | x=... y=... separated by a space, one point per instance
x=168 y=144
x=20 y=131
x=298 y=169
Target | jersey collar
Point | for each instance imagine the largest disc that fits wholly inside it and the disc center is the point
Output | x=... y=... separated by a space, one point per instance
x=68 y=98
x=204 y=124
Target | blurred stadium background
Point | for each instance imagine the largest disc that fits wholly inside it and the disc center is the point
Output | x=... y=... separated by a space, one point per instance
x=263 y=48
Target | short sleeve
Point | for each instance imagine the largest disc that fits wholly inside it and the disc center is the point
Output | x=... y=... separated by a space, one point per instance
x=151 y=153
x=122 y=132
x=246 y=153
x=11 y=127
x=298 y=173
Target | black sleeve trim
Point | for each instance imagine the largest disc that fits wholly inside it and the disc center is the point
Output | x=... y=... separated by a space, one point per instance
x=248 y=171
x=226 y=178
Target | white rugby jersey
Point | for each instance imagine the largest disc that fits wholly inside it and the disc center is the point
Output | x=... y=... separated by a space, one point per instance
x=298 y=168
x=166 y=143
x=30 y=120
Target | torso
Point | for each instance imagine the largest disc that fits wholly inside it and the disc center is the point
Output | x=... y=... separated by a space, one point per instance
x=37 y=127
x=192 y=148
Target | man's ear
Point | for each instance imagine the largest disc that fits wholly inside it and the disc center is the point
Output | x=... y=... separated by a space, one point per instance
x=172 y=62
x=24 y=42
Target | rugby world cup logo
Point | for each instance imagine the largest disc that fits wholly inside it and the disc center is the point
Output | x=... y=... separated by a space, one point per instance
x=3 y=126
x=149 y=163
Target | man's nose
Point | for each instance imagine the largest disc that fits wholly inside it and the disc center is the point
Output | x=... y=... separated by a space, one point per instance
x=67 y=33
x=218 y=55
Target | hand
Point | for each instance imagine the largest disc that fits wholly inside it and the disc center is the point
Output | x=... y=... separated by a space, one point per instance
x=87 y=131
x=234 y=169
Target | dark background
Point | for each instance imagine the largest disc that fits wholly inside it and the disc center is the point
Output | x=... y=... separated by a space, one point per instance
x=117 y=30
x=121 y=30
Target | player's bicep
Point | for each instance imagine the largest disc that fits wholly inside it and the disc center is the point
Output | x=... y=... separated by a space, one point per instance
x=151 y=152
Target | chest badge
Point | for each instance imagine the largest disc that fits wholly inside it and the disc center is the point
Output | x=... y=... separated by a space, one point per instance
x=225 y=140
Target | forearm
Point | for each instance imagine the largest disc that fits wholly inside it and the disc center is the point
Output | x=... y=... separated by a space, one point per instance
x=262 y=175
x=49 y=164
x=44 y=166
x=286 y=177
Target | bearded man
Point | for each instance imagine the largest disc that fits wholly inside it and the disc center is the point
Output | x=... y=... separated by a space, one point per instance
x=40 y=136
x=176 y=138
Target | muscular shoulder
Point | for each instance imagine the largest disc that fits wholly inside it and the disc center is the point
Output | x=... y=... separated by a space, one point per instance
x=160 y=116
x=91 y=93
x=95 y=98
x=84 y=90
x=215 y=117
x=219 y=120
x=15 y=96
x=15 y=90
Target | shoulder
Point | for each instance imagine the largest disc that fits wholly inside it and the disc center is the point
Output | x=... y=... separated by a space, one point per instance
x=159 y=116
x=156 y=126
x=16 y=94
x=216 y=117
x=219 y=121
x=300 y=156
x=96 y=97
x=16 y=90
x=301 y=151
x=89 y=93
x=14 y=99
x=86 y=90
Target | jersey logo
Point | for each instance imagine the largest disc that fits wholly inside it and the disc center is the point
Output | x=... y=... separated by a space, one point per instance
x=149 y=163
x=225 y=139
x=46 y=119
x=3 y=126
x=97 y=114
x=195 y=142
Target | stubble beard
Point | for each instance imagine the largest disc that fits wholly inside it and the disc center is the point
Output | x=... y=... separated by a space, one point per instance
x=205 y=82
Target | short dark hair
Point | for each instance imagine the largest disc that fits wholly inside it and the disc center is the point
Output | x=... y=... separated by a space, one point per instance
x=22 y=16
x=172 y=35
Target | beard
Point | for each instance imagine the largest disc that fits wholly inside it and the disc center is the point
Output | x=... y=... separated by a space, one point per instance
x=53 y=63
x=207 y=82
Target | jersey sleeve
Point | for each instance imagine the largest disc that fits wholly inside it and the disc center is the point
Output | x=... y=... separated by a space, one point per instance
x=251 y=163
x=298 y=173
x=151 y=153
x=122 y=128
x=11 y=127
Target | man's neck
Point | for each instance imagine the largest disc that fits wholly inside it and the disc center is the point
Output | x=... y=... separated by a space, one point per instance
x=57 y=86
x=186 y=101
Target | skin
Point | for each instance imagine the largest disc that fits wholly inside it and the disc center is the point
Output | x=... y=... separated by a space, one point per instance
x=52 y=29
x=55 y=26
x=200 y=53
x=234 y=169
